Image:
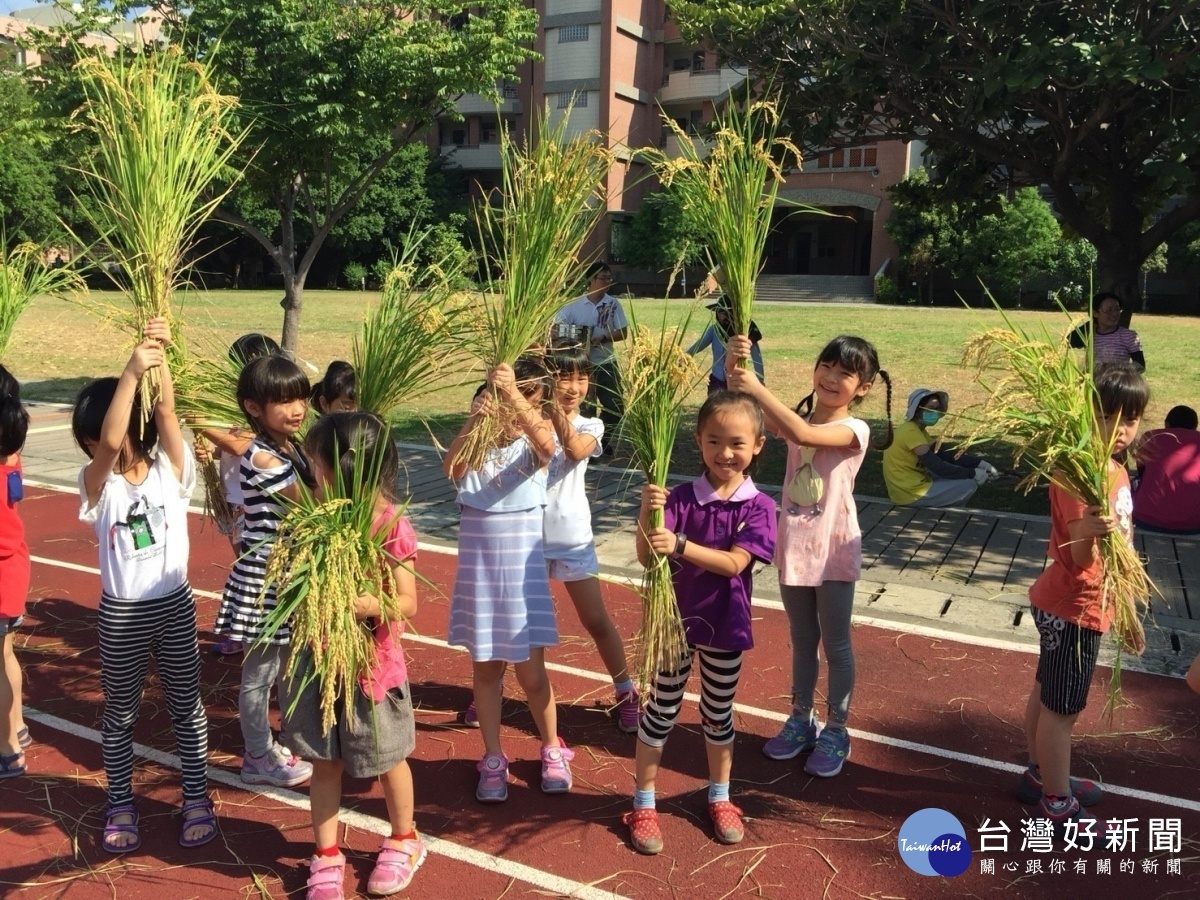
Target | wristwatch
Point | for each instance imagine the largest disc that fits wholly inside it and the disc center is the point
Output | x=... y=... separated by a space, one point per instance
x=680 y=543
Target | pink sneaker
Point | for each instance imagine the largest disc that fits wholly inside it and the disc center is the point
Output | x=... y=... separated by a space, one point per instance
x=629 y=711
x=395 y=866
x=325 y=877
x=493 y=780
x=556 y=768
x=470 y=716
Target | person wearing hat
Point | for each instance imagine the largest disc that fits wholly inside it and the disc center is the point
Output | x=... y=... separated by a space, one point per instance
x=716 y=335
x=916 y=473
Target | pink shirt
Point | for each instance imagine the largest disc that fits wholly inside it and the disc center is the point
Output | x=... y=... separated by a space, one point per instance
x=1168 y=495
x=827 y=546
x=391 y=669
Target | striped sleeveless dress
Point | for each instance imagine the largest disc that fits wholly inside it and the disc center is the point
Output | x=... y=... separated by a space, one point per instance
x=240 y=615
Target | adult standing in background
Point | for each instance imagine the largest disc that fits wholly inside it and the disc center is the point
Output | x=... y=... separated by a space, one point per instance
x=604 y=318
x=1114 y=343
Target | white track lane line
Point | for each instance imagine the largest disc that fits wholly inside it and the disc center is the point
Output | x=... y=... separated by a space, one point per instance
x=544 y=881
x=759 y=712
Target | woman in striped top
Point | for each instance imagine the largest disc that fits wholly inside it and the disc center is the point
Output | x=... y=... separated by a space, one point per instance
x=273 y=394
x=1114 y=343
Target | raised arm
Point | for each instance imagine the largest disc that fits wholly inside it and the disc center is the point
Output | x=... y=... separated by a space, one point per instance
x=115 y=427
x=575 y=445
x=529 y=417
x=170 y=434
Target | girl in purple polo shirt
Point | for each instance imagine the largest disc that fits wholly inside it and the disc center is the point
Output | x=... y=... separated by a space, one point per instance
x=376 y=738
x=820 y=544
x=716 y=526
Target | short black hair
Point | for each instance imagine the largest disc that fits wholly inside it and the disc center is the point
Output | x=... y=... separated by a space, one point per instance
x=14 y=418
x=252 y=346
x=1182 y=417
x=1121 y=389
x=87 y=420
x=340 y=440
x=339 y=381
x=1100 y=296
x=271 y=379
x=530 y=374
x=568 y=356
x=596 y=268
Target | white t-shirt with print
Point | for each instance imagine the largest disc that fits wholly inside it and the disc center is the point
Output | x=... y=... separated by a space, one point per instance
x=601 y=318
x=142 y=529
x=568 y=521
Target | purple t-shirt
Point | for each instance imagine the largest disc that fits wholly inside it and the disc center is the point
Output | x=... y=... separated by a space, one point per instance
x=716 y=609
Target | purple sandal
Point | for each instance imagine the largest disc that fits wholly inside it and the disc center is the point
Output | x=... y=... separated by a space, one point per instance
x=206 y=819
x=112 y=829
x=227 y=647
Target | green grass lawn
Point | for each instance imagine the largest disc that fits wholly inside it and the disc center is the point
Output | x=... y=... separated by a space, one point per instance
x=59 y=345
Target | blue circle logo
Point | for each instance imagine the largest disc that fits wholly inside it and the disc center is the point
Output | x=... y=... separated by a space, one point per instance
x=933 y=842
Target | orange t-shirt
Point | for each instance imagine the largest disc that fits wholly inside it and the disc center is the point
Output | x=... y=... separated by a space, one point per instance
x=1064 y=589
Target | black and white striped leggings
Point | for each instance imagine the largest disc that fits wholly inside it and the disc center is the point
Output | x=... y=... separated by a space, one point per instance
x=130 y=632
x=719 y=673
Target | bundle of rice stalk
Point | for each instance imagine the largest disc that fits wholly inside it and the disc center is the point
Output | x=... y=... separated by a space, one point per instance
x=411 y=340
x=163 y=139
x=551 y=197
x=24 y=276
x=730 y=181
x=1043 y=400
x=657 y=377
x=326 y=554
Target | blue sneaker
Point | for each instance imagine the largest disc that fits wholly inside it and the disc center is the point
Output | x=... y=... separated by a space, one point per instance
x=833 y=749
x=798 y=735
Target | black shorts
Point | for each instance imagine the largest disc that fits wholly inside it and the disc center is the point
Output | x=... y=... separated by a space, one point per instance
x=1066 y=662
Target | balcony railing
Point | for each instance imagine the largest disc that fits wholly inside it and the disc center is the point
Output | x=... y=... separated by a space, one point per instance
x=479 y=105
x=481 y=156
x=705 y=84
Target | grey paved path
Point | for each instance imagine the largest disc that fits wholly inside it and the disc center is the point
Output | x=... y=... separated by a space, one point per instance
x=960 y=573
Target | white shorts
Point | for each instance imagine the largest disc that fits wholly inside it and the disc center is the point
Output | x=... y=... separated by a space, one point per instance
x=573 y=563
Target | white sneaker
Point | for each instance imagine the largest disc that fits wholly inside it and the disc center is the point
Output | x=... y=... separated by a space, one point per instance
x=275 y=769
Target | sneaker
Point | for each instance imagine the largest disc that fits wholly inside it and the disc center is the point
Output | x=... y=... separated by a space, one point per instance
x=644 y=833
x=556 y=769
x=275 y=769
x=470 y=716
x=395 y=866
x=493 y=780
x=1029 y=789
x=830 y=754
x=727 y=822
x=227 y=647
x=1061 y=813
x=798 y=735
x=325 y=877
x=629 y=711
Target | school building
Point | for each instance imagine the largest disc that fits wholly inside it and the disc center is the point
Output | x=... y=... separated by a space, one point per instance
x=616 y=64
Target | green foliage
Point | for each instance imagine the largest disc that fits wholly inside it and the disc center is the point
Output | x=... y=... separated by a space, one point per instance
x=925 y=224
x=1096 y=100
x=663 y=233
x=28 y=177
x=1008 y=247
x=886 y=290
x=354 y=276
x=1183 y=250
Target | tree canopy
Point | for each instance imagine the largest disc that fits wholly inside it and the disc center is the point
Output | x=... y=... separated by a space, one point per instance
x=333 y=92
x=1095 y=100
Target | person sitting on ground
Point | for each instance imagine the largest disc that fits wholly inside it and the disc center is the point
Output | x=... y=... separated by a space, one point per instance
x=717 y=335
x=1114 y=343
x=1168 y=492
x=918 y=473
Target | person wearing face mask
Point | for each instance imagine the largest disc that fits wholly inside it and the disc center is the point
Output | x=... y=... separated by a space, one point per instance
x=918 y=473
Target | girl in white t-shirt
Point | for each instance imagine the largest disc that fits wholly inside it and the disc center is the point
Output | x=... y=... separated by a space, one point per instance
x=819 y=550
x=569 y=548
x=135 y=492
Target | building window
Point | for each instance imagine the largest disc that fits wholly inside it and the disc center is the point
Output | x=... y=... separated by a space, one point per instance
x=572 y=34
x=458 y=137
x=510 y=91
x=856 y=157
x=698 y=61
x=869 y=156
x=488 y=133
x=681 y=65
x=579 y=98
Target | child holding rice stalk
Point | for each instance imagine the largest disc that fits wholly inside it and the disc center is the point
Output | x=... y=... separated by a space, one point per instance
x=272 y=392
x=501 y=610
x=373 y=736
x=337 y=390
x=819 y=553
x=1069 y=608
x=135 y=490
x=14 y=575
x=715 y=527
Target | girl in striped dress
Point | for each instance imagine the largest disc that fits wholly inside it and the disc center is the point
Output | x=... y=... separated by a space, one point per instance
x=501 y=611
x=273 y=394
x=134 y=492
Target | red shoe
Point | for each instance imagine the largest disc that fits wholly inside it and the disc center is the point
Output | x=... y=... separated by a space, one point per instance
x=727 y=822
x=644 y=832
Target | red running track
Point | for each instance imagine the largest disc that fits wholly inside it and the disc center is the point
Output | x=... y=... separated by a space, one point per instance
x=957 y=706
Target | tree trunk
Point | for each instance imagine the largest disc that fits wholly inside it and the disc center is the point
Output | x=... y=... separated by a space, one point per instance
x=1120 y=273
x=293 y=305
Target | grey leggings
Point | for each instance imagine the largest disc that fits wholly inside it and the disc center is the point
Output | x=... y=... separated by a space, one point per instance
x=821 y=615
x=260 y=669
